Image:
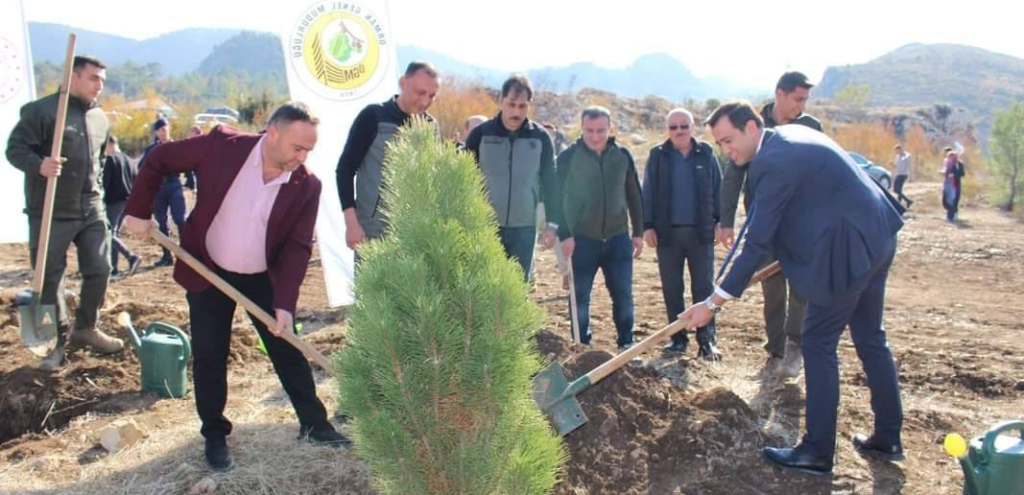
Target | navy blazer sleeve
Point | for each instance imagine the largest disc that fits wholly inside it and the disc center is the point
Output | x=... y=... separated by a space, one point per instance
x=775 y=185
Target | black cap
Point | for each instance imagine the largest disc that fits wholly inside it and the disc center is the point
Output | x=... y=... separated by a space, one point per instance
x=161 y=122
x=791 y=80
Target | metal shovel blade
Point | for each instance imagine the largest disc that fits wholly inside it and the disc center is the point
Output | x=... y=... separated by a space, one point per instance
x=38 y=323
x=554 y=396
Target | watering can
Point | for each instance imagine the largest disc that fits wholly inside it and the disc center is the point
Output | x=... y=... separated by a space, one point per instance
x=163 y=352
x=993 y=463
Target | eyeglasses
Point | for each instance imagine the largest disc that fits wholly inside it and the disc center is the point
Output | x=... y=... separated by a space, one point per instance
x=682 y=127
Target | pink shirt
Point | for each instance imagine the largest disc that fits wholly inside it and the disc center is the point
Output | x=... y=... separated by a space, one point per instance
x=237 y=238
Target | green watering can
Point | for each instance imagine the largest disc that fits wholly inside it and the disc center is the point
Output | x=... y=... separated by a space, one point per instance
x=163 y=355
x=994 y=463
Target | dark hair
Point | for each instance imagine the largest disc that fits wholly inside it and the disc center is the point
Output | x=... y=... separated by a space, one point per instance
x=417 y=65
x=739 y=113
x=82 y=60
x=595 y=112
x=791 y=80
x=111 y=139
x=292 y=111
x=518 y=83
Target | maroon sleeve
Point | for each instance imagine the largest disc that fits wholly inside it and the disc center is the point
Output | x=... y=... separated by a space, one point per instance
x=165 y=159
x=289 y=269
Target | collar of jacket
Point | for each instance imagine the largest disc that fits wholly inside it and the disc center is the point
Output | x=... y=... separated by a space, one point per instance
x=769 y=116
x=80 y=103
x=503 y=131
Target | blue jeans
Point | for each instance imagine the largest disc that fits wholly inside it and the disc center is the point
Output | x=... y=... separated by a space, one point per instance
x=615 y=259
x=170 y=198
x=518 y=243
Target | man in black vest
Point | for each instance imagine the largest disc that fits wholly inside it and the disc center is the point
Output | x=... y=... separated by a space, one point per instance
x=682 y=208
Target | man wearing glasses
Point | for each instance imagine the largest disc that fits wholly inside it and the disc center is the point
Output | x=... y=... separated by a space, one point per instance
x=682 y=208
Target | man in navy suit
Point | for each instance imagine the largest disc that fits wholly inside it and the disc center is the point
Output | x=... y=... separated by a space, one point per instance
x=834 y=232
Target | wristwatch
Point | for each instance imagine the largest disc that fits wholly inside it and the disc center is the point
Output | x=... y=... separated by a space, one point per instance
x=710 y=304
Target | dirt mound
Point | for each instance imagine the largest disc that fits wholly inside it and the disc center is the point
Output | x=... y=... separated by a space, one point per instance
x=33 y=400
x=644 y=435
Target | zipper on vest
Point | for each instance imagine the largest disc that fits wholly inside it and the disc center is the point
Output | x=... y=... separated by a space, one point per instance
x=604 y=198
x=508 y=206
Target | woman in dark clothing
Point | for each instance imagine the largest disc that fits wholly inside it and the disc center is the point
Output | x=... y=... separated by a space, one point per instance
x=953 y=170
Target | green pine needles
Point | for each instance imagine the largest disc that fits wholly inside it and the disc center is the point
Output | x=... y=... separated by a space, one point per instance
x=437 y=372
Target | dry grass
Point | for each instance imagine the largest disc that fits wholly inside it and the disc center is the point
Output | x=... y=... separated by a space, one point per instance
x=268 y=458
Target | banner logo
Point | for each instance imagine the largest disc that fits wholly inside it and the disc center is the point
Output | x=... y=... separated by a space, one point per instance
x=12 y=70
x=339 y=50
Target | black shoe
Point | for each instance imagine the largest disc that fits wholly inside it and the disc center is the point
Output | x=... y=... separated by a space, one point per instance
x=625 y=347
x=326 y=436
x=133 y=265
x=709 y=352
x=798 y=461
x=218 y=456
x=676 y=347
x=868 y=446
x=163 y=262
x=115 y=274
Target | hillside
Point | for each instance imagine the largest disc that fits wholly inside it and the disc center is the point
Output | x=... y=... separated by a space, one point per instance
x=177 y=52
x=976 y=80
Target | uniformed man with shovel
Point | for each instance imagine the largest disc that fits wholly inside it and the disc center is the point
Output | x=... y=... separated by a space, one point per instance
x=78 y=214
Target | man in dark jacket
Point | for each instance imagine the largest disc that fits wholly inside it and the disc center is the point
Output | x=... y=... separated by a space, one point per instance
x=517 y=159
x=78 y=213
x=602 y=220
x=782 y=317
x=833 y=230
x=682 y=208
x=118 y=177
x=360 y=171
x=171 y=198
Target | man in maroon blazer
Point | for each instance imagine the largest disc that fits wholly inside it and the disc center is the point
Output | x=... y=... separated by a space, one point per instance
x=252 y=225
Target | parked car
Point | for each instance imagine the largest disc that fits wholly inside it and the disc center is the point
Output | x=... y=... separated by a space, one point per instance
x=880 y=174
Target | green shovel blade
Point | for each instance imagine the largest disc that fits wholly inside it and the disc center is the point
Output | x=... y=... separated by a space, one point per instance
x=552 y=393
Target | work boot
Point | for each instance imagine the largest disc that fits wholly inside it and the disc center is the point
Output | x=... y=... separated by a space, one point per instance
x=55 y=359
x=772 y=366
x=793 y=361
x=97 y=340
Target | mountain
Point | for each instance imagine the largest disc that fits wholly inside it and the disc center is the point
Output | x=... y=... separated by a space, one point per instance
x=977 y=80
x=255 y=53
x=177 y=52
x=650 y=74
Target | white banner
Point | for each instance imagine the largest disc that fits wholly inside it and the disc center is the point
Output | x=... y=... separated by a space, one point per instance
x=340 y=56
x=17 y=88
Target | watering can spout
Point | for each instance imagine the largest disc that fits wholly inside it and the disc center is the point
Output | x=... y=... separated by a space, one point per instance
x=125 y=320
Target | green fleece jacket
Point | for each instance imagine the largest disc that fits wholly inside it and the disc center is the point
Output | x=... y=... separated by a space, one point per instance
x=600 y=193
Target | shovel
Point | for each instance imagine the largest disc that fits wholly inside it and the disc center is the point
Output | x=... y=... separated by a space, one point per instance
x=239 y=298
x=565 y=267
x=556 y=396
x=39 y=321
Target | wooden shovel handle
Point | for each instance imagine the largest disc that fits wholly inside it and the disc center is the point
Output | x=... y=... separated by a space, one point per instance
x=46 y=221
x=566 y=266
x=618 y=361
x=239 y=298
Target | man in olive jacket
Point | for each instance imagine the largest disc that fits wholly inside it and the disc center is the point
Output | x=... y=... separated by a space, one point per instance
x=78 y=212
x=783 y=316
x=602 y=220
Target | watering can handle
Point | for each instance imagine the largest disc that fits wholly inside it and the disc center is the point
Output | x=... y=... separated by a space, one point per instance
x=172 y=330
x=988 y=444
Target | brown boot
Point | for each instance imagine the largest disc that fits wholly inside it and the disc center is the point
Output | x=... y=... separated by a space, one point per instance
x=97 y=340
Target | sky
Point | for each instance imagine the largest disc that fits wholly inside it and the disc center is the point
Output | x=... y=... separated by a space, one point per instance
x=750 y=42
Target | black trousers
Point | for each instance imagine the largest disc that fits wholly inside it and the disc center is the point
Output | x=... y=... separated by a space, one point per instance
x=687 y=250
x=210 y=314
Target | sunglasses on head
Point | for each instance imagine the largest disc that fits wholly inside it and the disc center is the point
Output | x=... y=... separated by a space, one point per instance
x=683 y=127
